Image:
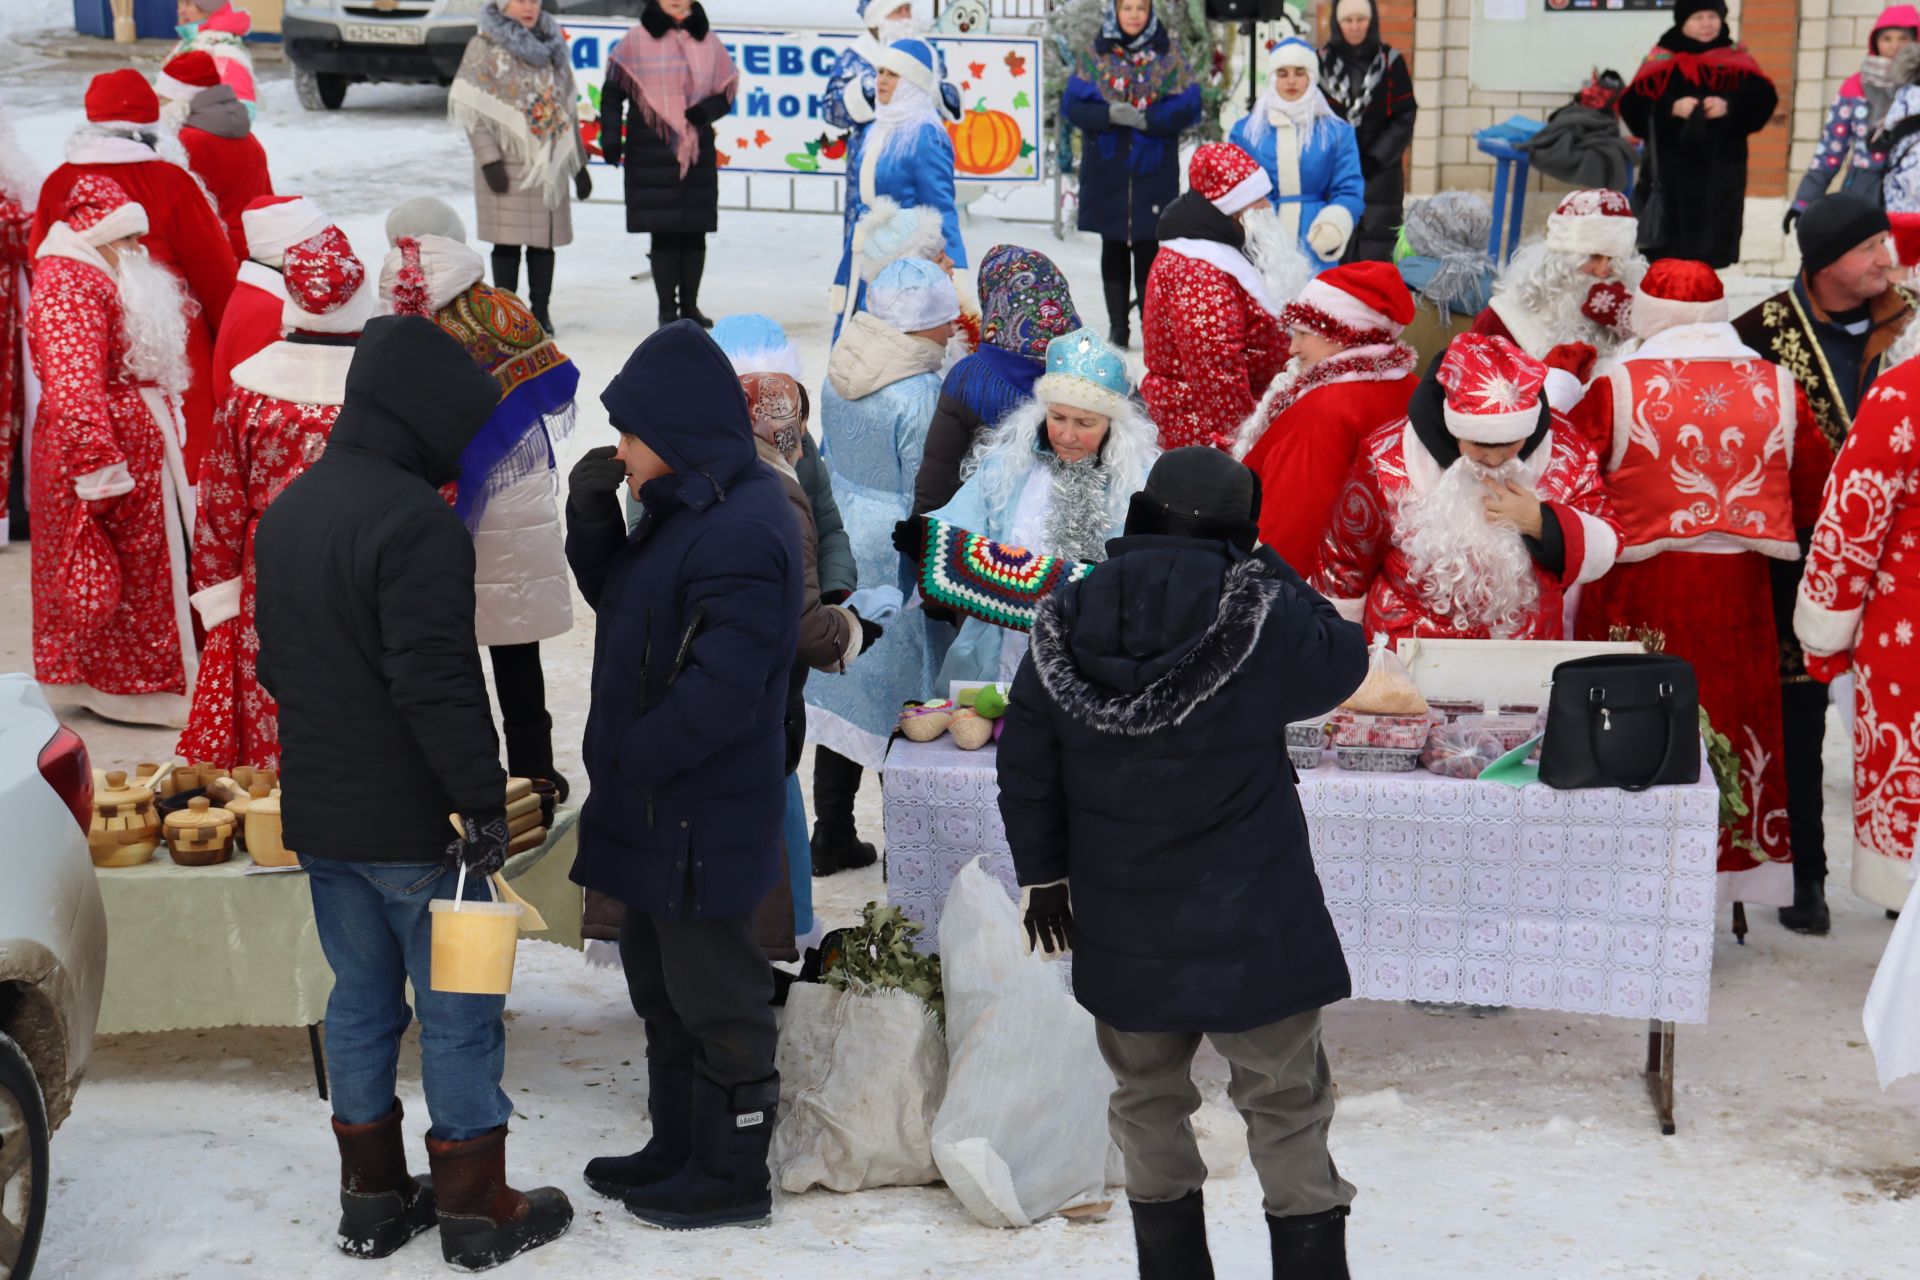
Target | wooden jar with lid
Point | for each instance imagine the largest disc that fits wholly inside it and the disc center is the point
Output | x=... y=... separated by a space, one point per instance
x=200 y=835
x=126 y=824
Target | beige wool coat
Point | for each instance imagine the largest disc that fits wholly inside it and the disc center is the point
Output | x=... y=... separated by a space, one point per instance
x=515 y=216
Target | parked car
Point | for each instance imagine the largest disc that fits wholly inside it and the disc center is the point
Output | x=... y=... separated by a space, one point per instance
x=335 y=43
x=53 y=953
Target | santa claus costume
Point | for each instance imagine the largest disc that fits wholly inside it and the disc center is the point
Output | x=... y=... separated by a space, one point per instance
x=274 y=424
x=1302 y=439
x=1414 y=549
x=273 y=225
x=18 y=187
x=113 y=510
x=1210 y=327
x=1712 y=459
x=217 y=131
x=1858 y=609
x=122 y=140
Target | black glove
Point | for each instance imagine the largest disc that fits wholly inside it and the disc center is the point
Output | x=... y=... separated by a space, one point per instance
x=870 y=632
x=910 y=537
x=1793 y=216
x=939 y=613
x=839 y=595
x=610 y=152
x=582 y=183
x=495 y=172
x=1049 y=918
x=591 y=484
x=483 y=849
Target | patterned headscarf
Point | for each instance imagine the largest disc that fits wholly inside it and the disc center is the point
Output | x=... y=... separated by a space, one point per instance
x=773 y=402
x=1024 y=301
x=1140 y=70
x=1111 y=34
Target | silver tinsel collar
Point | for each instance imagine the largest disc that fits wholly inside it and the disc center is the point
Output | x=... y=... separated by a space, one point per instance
x=1077 y=508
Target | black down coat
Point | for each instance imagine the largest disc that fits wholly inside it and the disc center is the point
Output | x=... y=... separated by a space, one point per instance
x=697 y=619
x=658 y=197
x=365 y=612
x=1368 y=85
x=1144 y=761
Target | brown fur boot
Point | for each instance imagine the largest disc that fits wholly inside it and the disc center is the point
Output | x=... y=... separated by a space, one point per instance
x=483 y=1221
x=381 y=1205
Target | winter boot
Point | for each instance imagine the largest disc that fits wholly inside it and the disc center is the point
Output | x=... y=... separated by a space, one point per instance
x=483 y=1221
x=1119 y=292
x=693 y=266
x=530 y=754
x=725 y=1183
x=1310 y=1246
x=666 y=283
x=506 y=267
x=1809 y=913
x=1171 y=1239
x=540 y=286
x=381 y=1207
x=836 y=846
x=670 y=1108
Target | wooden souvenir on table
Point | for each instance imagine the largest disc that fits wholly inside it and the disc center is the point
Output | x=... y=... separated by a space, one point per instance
x=200 y=835
x=264 y=843
x=126 y=823
x=518 y=789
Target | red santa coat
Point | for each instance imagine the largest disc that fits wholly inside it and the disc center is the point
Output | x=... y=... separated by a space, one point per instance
x=1309 y=430
x=252 y=323
x=234 y=171
x=1712 y=459
x=184 y=235
x=93 y=416
x=273 y=426
x=1211 y=347
x=1859 y=607
x=16 y=223
x=1364 y=570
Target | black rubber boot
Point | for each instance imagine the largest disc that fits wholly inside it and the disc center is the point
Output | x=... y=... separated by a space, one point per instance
x=483 y=1221
x=693 y=267
x=506 y=267
x=381 y=1206
x=1171 y=1239
x=726 y=1183
x=1809 y=913
x=1310 y=1246
x=540 y=286
x=666 y=283
x=670 y=1109
x=836 y=845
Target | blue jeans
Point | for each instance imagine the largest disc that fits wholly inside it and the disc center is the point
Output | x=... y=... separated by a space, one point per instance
x=377 y=934
x=799 y=857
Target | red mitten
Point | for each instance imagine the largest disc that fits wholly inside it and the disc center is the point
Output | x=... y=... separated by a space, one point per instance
x=1576 y=358
x=1607 y=304
x=1829 y=668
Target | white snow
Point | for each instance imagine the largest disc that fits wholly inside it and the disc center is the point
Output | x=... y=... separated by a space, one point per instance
x=1520 y=1145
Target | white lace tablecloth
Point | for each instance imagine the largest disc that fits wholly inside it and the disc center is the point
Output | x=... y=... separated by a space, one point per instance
x=1591 y=902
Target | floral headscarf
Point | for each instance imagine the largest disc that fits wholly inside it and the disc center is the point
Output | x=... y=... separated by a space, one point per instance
x=1140 y=70
x=773 y=403
x=1024 y=301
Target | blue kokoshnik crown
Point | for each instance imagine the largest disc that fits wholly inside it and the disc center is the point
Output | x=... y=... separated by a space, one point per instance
x=1083 y=371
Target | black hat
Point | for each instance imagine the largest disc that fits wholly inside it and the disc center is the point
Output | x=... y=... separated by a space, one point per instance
x=1198 y=492
x=1684 y=9
x=1833 y=226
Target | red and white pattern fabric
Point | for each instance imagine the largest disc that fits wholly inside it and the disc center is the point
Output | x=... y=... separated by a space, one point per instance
x=1492 y=389
x=1211 y=349
x=1859 y=607
x=1363 y=304
x=326 y=287
x=1593 y=221
x=1228 y=176
x=16 y=221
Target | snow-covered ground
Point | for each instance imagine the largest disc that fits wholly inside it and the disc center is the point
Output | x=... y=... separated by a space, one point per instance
x=1516 y=1146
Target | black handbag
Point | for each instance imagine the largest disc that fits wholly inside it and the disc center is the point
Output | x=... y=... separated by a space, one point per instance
x=1630 y=721
x=1651 y=198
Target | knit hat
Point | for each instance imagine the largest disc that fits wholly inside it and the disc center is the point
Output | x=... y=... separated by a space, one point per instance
x=1493 y=390
x=1295 y=52
x=1228 y=176
x=1906 y=238
x=913 y=61
x=1834 y=226
x=324 y=287
x=122 y=97
x=1677 y=291
x=887 y=231
x=99 y=210
x=424 y=216
x=1355 y=306
x=1198 y=492
x=275 y=224
x=913 y=294
x=1684 y=9
x=422 y=274
x=1084 y=372
x=773 y=402
x=1593 y=221
x=757 y=344
x=183 y=77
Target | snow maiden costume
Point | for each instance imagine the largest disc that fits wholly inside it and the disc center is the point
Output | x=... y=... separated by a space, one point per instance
x=1018 y=493
x=1311 y=157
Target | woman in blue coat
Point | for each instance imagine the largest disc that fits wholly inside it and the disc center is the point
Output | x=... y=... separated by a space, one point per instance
x=1133 y=95
x=1309 y=153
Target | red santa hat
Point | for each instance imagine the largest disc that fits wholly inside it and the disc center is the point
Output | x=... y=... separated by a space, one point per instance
x=1493 y=389
x=1228 y=176
x=1595 y=221
x=275 y=224
x=122 y=97
x=1677 y=291
x=100 y=211
x=325 y=292
x=183 y=78
x=1906 y=238
x=1356 y=305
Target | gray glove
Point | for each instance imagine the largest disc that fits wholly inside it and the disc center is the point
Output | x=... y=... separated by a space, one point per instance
x=1126 y=114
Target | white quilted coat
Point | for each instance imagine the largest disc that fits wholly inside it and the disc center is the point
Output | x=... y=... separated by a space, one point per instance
x=521 y=586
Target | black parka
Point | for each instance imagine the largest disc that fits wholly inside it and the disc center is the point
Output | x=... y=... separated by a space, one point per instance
x=659 y=197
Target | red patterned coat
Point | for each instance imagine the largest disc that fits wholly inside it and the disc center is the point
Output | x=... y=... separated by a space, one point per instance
x=1364 y=570
x=273 y=426
x=16 y=222
x=1211 y=347
x=99 y=426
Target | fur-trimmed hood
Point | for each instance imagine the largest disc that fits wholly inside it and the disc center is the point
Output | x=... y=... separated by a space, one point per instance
x=1153 y=633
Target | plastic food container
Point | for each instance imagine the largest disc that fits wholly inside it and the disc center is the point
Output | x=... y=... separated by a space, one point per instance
x=1508 y=731
x=473 y=945
x=1377 y=759
x=1307 y=733
x=1398 y=733
x=1453 y=710
x=1305 y=758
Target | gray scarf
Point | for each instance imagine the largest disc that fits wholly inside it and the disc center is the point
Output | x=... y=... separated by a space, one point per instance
x=539 y=44
x=1077 y=508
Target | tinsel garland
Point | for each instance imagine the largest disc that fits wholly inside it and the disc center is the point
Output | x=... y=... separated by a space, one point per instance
x=1077 y=508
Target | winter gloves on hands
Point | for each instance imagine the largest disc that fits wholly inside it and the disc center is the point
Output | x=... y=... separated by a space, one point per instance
x=1793 y=216
x=1607 y=304
x=1576 y=358
x=582 y=183
x=483 y=849
x=1049 y=917
x=1327 y=236
x=870 y=631
x=1126 y=115
x=592 y=483
x=495 y=172
x=910 y=538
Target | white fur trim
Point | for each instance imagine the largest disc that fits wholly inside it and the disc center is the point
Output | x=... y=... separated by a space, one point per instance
x=1246 y=193
x=1528 y=333
x=108 y=482
x=1563 y=389
x=1493 y=428
x=919 y=232
x=1329 y=222
x=130 y=219
x=771 y=360
x=910 y=69
x=218 y=603
x=1354 y=610
x=297 y=372
x=1709 y=340
x=1230 y=260
x=1824 y=632
x=171 y=90
x=87 y=147
x=1064 y=388
x=1602 y=547
x=278 y=227
x=1651 y=315
x=62 y=241
x=262 y=277
x=1342 y=307
x=855 y=98
x=1608 y=235
x=349 y=317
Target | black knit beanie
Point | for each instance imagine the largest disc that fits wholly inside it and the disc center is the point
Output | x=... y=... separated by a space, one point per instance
x=1684 y=9
x=1198 y=492
x=1833 y=226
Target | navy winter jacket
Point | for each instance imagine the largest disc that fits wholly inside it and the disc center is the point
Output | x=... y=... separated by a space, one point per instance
x=698 y=617
x=1128 y=176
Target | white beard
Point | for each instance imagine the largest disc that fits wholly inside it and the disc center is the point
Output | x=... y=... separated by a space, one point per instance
x=19 y=179
x=174 y=113
x=153 y=306
x=1474 y=572
x=1550 y=287
x=892 y=29
x=1276 y=253
x=1904 y=348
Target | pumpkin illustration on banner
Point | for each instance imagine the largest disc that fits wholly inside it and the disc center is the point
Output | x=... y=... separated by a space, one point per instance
x=986 y=142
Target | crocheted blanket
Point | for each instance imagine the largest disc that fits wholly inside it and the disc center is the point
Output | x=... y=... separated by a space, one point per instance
x=989 y=580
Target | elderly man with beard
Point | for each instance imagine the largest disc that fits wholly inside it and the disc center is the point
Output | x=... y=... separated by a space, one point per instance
x=1469 y=518
x=112 y=508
